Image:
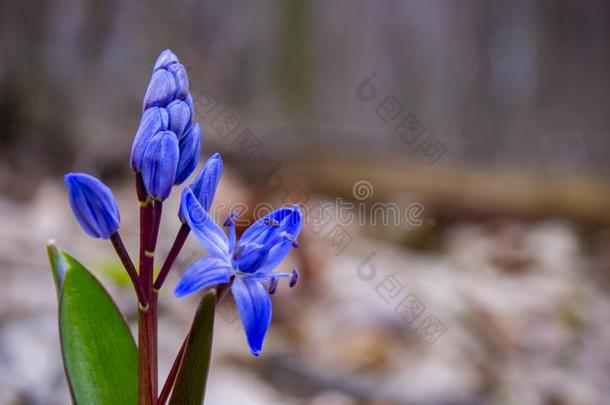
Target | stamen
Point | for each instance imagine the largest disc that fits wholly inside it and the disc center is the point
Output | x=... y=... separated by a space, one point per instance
x=291 y=238
x=272 y=222
x=294 y=278
x=231 y=218
x=272 y=285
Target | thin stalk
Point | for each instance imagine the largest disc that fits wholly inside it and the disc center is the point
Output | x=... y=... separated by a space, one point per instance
x=152 y=326
x=146 y=391
x=183 y=233
x=121 y=251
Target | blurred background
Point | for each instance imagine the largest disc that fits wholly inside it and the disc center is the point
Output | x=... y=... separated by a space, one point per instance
x=452 y=157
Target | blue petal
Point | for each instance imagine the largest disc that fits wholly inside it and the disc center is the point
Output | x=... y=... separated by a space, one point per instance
x=190 y=148
x=202 y=274
x=153 y=120
x=161 y=89
x=261 y=229
x=275 y=256
x=278 y=252
x=179 y=117
x=275 y=247
x=182 y=80
x=205 y=184
x=254 y=306
x=207 y=232
x=166 y=58
x=160 y=163
x=293 y=223
x=93 y=205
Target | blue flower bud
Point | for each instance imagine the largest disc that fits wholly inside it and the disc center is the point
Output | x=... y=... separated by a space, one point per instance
x=93 y=205
x=161 y=89
x=205 y=184
x=189 y=101
x=179 y=117
x=153 y=120
x=182 y=80
x=190 y=147
x=166 y=58
x=159 y=164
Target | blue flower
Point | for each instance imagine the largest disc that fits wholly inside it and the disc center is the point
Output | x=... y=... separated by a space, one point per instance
x=168 y=106
x=93 y=205
x=205 y=184
x=159 y=164
x=249 y=262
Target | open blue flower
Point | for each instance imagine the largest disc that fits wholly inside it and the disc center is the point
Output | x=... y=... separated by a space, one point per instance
x=249 y=262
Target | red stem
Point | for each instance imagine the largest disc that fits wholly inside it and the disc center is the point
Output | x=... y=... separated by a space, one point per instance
x=146 y=390
x=121 y=251
x=183 y=233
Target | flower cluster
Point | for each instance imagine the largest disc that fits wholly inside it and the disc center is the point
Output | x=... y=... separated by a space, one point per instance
x=165 y=153
x=167 y=145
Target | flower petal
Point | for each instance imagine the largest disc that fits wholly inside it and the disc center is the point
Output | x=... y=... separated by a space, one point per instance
x=181 y=78
x=276 y=246
x=166 y=58
x=254 y=306
x=190 y=148
x=205 y=184
x=179 y=117
x=202 y=274
x=159 y=164
x=153 y=120
x=161 y=89
x=276 y=255
x=260 y=229
x=206 y=231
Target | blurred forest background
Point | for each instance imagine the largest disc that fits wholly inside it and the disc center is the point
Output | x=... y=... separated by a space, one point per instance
x=491 y=115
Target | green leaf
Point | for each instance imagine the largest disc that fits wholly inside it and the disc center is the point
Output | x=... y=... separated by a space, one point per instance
x=193 y=373
x=99 y=353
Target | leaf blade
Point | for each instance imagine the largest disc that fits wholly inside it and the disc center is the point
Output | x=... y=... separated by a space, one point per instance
x=100 y=355
x=190 y=384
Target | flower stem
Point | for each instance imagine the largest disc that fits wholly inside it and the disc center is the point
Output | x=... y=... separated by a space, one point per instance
x=152 y=243
x=146 y=386
x=183 y=233
x=121 y=251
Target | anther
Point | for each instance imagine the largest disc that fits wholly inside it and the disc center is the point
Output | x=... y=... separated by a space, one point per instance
x=272 y=222
x=272 y=285
x=294 y=278
x=231 y=218
x=292 y=239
